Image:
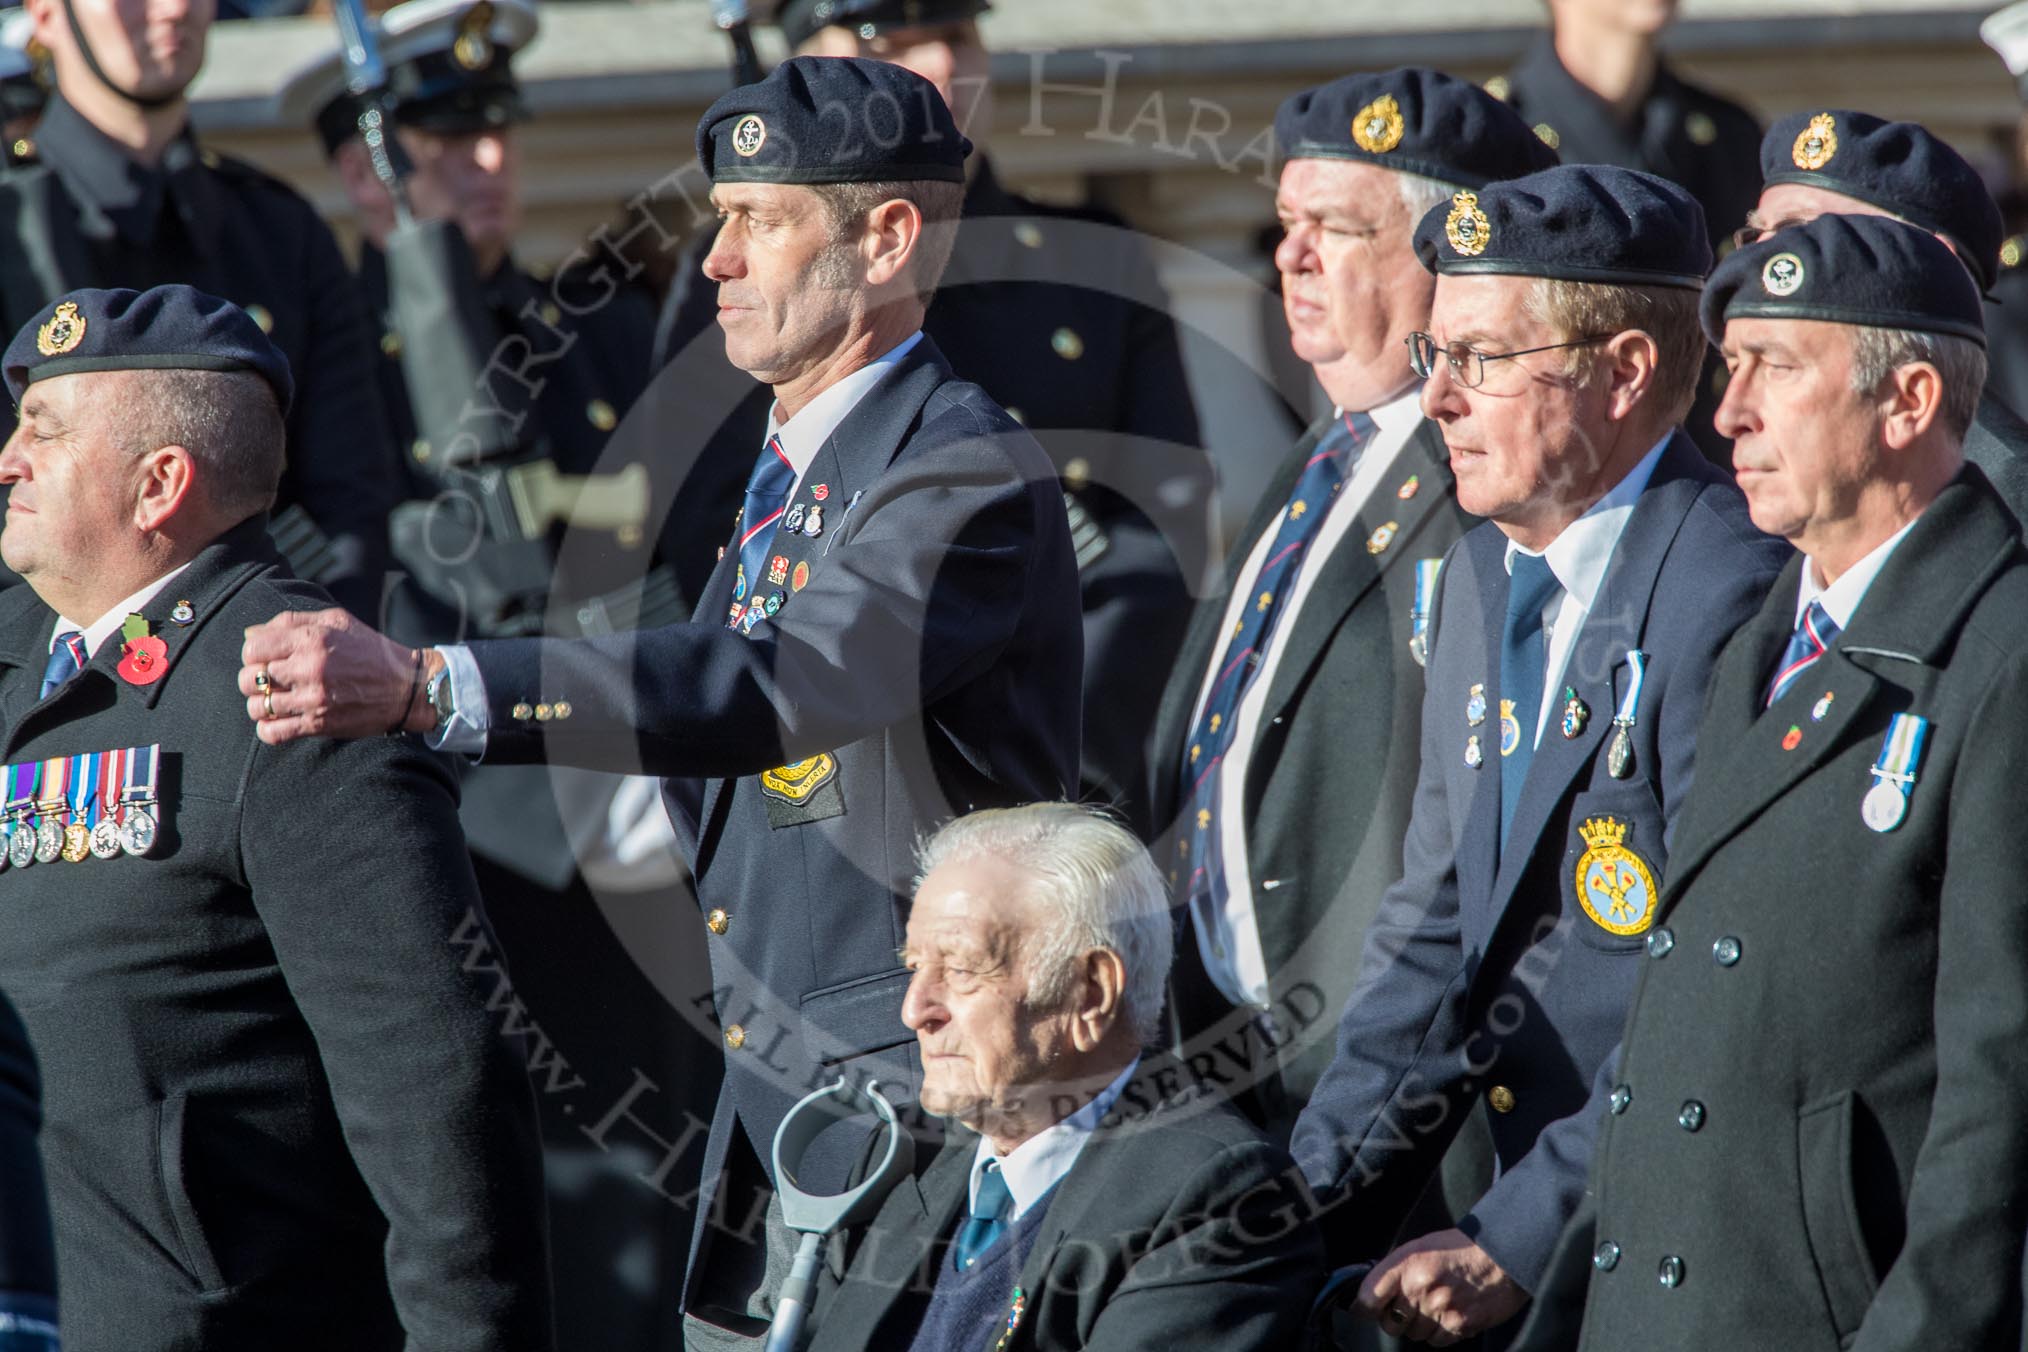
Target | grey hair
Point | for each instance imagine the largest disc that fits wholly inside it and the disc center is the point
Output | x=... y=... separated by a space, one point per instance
x=1098 y=885
x=1421 y=194
x=229 y=421
x=846 y=205
x=1876 y=353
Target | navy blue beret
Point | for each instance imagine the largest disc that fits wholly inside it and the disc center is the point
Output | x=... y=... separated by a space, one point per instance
x=1415 y=120
x=168 y=328
x=832 y=119
x=800 y=19
x=1900 y=167
x=1576 y=223
x=1866 y=270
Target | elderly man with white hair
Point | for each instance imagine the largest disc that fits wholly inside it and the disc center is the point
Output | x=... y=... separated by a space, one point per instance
x=1085 y=1195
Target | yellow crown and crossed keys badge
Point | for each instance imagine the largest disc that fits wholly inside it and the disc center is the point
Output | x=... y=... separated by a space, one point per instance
x=1614 y=885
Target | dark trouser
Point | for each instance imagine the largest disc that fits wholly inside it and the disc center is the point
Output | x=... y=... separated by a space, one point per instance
x=1466 y=1173
x=742 y=1260
x=607 y=1038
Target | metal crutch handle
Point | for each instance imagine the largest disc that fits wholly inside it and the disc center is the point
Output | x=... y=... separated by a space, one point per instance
x=818 y=1217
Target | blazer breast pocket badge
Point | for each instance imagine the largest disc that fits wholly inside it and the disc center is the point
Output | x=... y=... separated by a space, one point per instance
x=807 y=791
x=1615 y=886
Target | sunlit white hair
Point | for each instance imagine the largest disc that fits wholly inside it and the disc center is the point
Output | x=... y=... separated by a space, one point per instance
x=1097 y=887
x=1421 y=194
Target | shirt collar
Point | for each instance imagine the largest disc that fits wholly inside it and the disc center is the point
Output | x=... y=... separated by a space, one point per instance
x=1842 y=597
x=1396 y=414
x=1040 y=1162
x=106 y=625
x=1579 y=556
x=805 y=434
x=112 y=189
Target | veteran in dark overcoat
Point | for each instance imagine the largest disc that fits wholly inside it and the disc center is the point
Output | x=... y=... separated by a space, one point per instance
x=1814 y=1131
x=1573 y=637
x=279 y=1110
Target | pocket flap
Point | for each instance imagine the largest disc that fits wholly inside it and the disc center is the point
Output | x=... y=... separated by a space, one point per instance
x=858 y=1016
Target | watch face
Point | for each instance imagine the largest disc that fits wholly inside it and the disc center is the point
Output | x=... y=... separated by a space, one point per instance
x=439 y=696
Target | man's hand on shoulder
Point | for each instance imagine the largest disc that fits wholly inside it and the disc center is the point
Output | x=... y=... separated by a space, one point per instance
x=1439 y=1289
x=323 y=673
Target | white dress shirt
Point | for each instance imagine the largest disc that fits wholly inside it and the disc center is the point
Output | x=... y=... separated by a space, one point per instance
x=1040 y=1162
x=108 y=624
x=1231 y=949
x=802 y=437
x=1579 y=558
x=1841 y=599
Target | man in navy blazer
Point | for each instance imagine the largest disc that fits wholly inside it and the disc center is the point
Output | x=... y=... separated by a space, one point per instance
x=1572 y=639
x=891 y=638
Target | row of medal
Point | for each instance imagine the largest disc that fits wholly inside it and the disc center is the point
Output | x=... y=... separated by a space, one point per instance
x=99 y=804
x=1576 y=714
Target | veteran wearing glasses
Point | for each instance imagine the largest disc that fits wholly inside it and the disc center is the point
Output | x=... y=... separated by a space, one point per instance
x=1815 y=1138
x=1568 y=653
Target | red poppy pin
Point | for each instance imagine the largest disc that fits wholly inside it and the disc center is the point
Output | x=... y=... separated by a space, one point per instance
x=821 y=492
x=144 y=659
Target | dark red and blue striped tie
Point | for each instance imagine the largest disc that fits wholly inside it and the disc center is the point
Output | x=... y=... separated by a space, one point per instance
x=767 y=497
x=1201 y=867
x=1812 y=639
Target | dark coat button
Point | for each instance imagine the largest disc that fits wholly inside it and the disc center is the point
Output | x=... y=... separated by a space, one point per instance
x=1660 y=942
x=1621 y=1097
x=1726 y=951
x=1606 y=1257
x=1670 y=1271
x=1692 y=1116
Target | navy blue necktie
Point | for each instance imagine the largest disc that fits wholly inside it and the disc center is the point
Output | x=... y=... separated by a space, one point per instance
x=1529 y=587
x=1812 y=639
x=767 y=497
x=988 y=1219
x=66 y=659
x=1336 y=454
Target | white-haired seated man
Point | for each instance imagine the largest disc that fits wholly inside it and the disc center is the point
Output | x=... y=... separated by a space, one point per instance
x=1088 y=1192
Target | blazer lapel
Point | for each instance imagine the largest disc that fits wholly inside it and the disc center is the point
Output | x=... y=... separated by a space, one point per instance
x=1484 y=552
x=24 y=645
x=1402 y=501
x=1201 y=642
x=1614 y=624
x=1910 y=614
x=858 y=450
x=905 y=1247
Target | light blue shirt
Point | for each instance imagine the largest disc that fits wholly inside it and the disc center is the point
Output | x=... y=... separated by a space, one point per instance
x=1040 y=1162
x=1579 y=558
x=802 y=437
